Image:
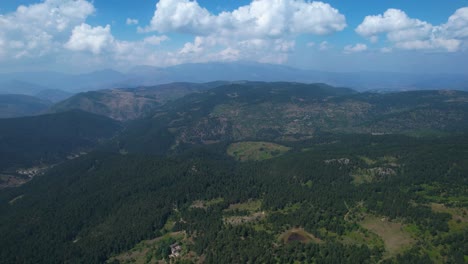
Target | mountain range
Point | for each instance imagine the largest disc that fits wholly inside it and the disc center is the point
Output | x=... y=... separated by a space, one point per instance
x=237 y=172
x=33 y=82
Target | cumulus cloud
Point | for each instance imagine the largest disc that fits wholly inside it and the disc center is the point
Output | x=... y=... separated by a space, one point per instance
x=94 y=39
x=413 y=34
x=132 y=21
x=457 y=25
x=37 y=29
x=56 y=30
x=355 y=48
x=261 y=18
x=263 y=30
x=100 y=41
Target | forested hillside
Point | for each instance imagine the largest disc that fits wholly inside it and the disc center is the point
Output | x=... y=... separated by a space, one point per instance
x=131 y=103
x=14 y=105
x=46 y=139
x=288 y=112
x=248 y=172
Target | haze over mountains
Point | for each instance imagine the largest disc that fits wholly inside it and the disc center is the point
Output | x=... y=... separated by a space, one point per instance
x=31 y=83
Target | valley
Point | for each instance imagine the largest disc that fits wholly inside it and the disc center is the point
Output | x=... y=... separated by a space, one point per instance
x=243 y=172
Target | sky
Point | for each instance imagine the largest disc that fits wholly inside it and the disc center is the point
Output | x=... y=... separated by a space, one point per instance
x=338 y=35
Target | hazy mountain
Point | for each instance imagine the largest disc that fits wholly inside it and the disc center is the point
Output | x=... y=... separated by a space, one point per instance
x=53 y=95
x=233 y=71
x=26 y=88
x=15 y=105
x=19 y=87
x=205 y=72
x=67 y=82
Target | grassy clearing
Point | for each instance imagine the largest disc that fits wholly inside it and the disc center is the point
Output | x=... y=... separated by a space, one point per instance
x=363 y=237
x=393 y=234
x=249 y=150
x=368 y=161
x=459 y=221
x=250 y=206
x=204 y=204
x=242 y=213
x=361 y=176
x=298 y=234
x=238 y=220
x=385 y=160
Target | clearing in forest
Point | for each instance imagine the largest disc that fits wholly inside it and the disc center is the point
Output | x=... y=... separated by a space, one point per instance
x=459 y=221
x=250 y=150
x=250 y=205
x=396 y=240
x=241 y=213
x=298 y=234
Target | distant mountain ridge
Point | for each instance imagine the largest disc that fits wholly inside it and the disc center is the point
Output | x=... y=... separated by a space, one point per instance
x=233 y=71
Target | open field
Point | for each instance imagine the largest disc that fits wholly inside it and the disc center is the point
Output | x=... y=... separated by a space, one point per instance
x=459 y=221
x=204 y=204
x=298 y=234
x=246 y=151
x=238 y=220
x=395 y=239
x=250 y=206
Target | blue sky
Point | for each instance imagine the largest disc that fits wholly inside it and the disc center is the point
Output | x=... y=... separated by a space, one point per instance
x=335 y=35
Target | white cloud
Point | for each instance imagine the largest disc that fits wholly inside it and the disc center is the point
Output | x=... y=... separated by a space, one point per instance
x=132 y=21
x=284 y=45
x=356 y=48
x=310 y=44
x=324 y=45
x=262 y=18
x=457 y=24
x=264 y=30
x=94 y=39
x=386 y=50
x=195 y=47
x=413 y=34
x=37 y=29
x=229 y=54
x=155 y=40
x=56 y=31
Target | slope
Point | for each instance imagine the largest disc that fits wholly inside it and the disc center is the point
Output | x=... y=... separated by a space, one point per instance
x=15 y=105
x=130 y=103
x=47 y=139
x=289 y=112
